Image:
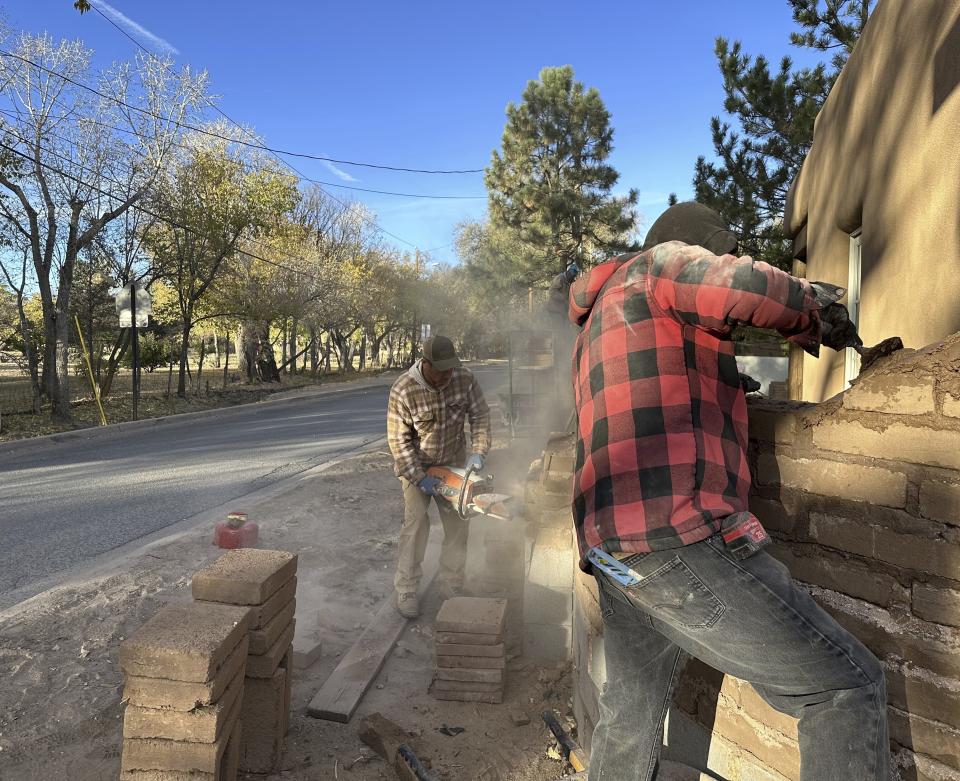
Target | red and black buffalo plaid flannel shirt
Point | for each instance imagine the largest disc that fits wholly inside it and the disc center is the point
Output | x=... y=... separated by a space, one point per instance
x=661 y=452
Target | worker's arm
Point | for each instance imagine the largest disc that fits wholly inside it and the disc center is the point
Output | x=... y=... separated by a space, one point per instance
x=478 y=413
x=717 y=293
x=402 y=438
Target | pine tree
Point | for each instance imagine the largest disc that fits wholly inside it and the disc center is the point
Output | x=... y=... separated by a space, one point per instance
x=550 y=186
x=756 y=164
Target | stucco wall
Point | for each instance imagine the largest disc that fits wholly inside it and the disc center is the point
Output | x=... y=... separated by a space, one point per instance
x=885 y=159
x=862 y=496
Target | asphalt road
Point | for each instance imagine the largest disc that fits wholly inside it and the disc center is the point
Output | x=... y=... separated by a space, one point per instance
x=64 y=502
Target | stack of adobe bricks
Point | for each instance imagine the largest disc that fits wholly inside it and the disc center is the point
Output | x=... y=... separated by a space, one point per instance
x=184 y=676
x=265 y=583
x=471 y=661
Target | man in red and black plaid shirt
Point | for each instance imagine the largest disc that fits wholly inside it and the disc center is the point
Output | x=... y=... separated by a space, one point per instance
x=661 y=467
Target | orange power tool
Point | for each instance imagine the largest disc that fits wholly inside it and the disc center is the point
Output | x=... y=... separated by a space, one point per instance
x=470 y=493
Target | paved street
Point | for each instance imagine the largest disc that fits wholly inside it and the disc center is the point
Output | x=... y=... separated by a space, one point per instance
x=68 y=501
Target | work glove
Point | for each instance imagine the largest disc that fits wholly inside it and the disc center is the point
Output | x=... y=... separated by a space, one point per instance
x=571 y=273
x=429 y=485
x=475 y=462
x=838 y=332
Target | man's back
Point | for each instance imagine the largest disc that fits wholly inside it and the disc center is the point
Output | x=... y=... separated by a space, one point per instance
x=662 y=417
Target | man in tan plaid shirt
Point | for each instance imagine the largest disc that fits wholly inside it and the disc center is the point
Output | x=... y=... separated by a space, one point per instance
x=425 y=415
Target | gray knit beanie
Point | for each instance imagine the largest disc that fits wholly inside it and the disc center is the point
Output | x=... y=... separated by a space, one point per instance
x=692 y=223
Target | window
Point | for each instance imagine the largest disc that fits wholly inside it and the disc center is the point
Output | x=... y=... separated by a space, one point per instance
x=851 y=368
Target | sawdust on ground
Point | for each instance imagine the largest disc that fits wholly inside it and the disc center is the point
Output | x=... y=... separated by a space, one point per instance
x=60 y=709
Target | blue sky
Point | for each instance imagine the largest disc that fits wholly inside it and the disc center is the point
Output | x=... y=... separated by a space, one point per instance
x=425 y=85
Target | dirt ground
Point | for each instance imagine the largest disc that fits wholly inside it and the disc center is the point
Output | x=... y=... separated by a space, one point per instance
x=60 y=709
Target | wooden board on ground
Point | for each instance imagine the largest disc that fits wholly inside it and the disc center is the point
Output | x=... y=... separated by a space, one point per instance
x=341 y=693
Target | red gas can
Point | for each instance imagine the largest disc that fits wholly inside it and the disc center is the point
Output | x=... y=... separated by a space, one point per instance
x=236 y=532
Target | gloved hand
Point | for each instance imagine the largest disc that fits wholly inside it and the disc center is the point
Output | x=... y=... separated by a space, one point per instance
x=429 y=485
x=837 y=330
x=571 y=273
x=475 y=462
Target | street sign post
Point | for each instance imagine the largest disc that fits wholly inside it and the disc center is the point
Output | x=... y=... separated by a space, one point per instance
x=134 y=308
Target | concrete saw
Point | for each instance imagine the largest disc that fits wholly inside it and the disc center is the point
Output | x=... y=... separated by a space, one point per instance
x=471 y=493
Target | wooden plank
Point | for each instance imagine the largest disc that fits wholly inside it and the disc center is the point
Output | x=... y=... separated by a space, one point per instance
x=341 y=693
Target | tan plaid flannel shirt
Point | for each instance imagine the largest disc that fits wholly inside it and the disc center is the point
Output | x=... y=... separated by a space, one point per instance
x=425 y=426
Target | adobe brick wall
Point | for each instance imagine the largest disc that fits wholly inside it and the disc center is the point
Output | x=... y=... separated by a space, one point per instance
x=861 y=494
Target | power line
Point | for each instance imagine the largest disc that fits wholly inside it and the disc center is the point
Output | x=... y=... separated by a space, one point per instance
x=15 y=115
x=263 y=147
x=156 y=216
x=289 y=165
x=365 y=218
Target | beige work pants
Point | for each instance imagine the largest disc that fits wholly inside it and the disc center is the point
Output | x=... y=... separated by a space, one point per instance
x=413 y=540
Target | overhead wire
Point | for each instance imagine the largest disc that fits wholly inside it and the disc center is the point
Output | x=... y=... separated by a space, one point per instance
x=15 y=115
x=289 y=165
x=254 y=145
x=161 y=218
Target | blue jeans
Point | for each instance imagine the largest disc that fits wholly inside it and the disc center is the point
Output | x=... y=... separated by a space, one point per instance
x=746 y=618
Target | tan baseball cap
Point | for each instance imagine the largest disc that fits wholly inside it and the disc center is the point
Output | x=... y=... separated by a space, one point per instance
x=439 y=350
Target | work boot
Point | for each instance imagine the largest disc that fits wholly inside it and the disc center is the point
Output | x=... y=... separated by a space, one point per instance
x=407 y=604
x=450 y=590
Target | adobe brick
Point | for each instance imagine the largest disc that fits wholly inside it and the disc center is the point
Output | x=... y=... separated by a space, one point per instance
x=246 y=576
x=477 y=615
x=287 y=664
x=895 y=636
x=940 y=605
x=951 y=406
x=925 y=736
x=772 y=515
x=479 y=676
x=473 y=662
x=202 y=725
x=265 y=665
x=769 y=425
x=226 y=771
x=465 y=638
x=455 y=649
x=896 y=395
x=843 y=534
x=263 y=722
x=940 y=501
x=185 y=695
x=937 y=557
x=262 y=639
x=924 y=693
x=768 y=745
x=833 y=478
x=587 y=596
x=185 y=641
x=494 y=698
x=261 y=615
x=156 y=754
x=897 y=442
x=760 y=710
x=443 y=685
x=843 y=576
